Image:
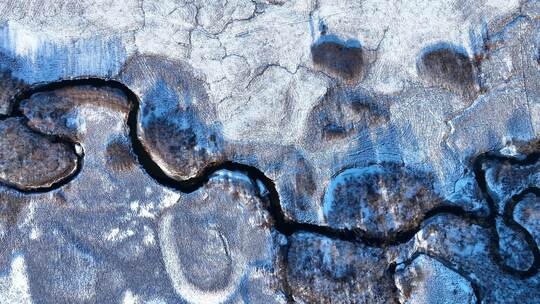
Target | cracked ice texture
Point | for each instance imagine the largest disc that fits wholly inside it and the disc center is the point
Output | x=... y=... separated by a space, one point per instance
x=274 y=106
x=256 y=59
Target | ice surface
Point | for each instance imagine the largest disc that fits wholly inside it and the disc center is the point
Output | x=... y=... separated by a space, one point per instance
x=269 y=151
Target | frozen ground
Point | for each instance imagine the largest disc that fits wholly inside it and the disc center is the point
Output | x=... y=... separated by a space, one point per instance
x=269 y=151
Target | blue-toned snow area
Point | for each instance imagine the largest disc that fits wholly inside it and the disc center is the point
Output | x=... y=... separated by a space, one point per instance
x=34 y=58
